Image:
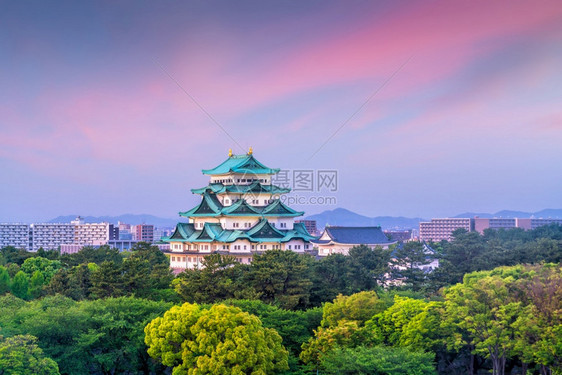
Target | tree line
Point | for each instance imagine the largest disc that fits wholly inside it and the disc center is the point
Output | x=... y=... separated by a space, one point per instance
x=373 y=312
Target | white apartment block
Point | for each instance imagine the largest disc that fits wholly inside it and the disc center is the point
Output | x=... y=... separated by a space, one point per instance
x=442 y=229
x=14 y=234
x=50 y=236
x=91 y=234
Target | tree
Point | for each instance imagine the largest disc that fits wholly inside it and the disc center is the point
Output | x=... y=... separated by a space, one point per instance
x=539 y=333
x=282 y=278
x=485 y=307
x=107 y=280
x=12 y=268
x=150 y=253
x=331 y=276
x=393 y=320
x=47 y=267
x=346 y=334
x=464 y=254
x=49 y=254
x=136 y=277
x=406 y=262
x=219 y=340
x=12 y=255
x=114 y=340
x=378 y=360
x=368 y=267
x=4 y=281
x=359 y=307
x=20 y=355
x=36 y=284
x=295 y=327
x=20 y=285
x=80 y=282
x=343 y=325
x=220 y=278
x=98 y=337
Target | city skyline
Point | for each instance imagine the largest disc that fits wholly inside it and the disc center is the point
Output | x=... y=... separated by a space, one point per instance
x=427 y=109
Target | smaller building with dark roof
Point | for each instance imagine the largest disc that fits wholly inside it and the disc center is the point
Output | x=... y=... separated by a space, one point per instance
x=339 y=240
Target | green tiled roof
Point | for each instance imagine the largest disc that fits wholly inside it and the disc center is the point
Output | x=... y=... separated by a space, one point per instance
x=261 y=232
x=299 y=231
x=240 y=164
x=254 y=187
x=210 y=206
x=241 y=208
x=264 y=230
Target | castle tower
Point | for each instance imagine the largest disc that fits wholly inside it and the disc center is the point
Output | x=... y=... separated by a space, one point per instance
x=240 y=214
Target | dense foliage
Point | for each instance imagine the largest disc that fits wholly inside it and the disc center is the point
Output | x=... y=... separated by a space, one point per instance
x=219 y=340
x=20 y=355
x=494 y=304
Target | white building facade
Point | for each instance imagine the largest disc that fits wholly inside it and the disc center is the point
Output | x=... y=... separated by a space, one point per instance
x=50 y=236
x=442 y=229
x=14 y=234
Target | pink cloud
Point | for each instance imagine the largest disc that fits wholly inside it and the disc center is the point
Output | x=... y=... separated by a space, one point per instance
x=130 y=120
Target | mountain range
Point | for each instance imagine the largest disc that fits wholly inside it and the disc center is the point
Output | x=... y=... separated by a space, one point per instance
x=341 y=216
x=545 y=214
x=338 y=216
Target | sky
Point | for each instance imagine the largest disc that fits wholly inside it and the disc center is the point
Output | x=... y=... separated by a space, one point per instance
x=424 y=108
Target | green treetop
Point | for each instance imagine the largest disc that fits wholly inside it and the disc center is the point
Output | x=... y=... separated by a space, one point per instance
x=219 y=340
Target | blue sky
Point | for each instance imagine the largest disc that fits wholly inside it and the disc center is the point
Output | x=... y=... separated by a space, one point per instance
x=466 y=116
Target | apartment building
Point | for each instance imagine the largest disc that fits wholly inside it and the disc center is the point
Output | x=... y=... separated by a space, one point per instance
x=93 y=233
x=143 y=232
x=442 y=229
x=532 y=223
x=14 y=234
x=50 y=236
x=480 y=224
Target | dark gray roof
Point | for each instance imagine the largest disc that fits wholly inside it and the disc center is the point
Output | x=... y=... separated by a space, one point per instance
x=356 y=235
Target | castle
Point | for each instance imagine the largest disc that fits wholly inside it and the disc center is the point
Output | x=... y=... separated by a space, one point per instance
x=241 y=214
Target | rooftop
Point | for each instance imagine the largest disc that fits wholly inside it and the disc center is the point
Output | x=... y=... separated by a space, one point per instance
x=245 y=164
x=354 y=236
x=210 y=206
x=261 y=232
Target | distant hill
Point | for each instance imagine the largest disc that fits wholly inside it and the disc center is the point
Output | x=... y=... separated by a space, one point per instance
x=546 y=213
x=127 y=218
x=549 y=213
x=341 y=216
